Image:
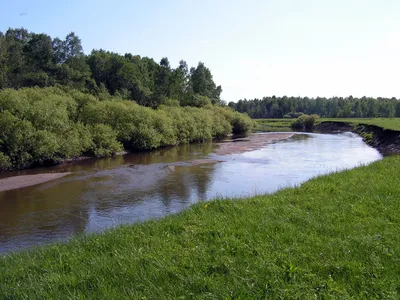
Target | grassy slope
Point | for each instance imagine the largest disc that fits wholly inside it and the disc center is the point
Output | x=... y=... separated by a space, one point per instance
x=280 y=124
x=336 y=236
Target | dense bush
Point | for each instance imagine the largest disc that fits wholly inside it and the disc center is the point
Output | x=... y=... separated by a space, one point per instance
x=47 y=125
x=104 y=141
x=305 y=122
x=241 y=123
x=5 y=162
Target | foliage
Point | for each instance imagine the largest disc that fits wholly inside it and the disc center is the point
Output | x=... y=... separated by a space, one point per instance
x=104 y=140
x=241 y=123
x=334 y=237
x=305 y=122
x=335 y=107
x=82 y=104
x=47 y=125
x=28 y=59
x=5 y=162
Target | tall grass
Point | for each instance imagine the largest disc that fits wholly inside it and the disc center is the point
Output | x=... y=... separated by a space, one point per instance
x=336 y=236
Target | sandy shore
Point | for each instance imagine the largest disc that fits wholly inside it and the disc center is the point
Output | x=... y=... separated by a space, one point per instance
x=16 y=182
x=253 y=142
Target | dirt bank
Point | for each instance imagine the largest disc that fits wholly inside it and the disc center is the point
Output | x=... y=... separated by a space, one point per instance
x=253 y=142
x=16 y=182
x=332 y=127
x=385 y=141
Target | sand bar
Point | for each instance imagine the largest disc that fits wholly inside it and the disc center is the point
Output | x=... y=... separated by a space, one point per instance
x=253 y=142
x=16 y=182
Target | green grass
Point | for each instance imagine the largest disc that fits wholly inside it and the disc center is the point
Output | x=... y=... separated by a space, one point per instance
x=336 y=236
x=273 y=124
x=285 y=124
x=385 y=123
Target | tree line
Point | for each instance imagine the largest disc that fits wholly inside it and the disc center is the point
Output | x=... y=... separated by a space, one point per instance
x=335 y=107
x=29 y=59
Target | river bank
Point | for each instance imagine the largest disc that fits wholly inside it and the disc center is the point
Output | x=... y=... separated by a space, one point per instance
x=108 y=192
x=386 y=141
x=335 y=236
x=223 y=147
x=381 y=133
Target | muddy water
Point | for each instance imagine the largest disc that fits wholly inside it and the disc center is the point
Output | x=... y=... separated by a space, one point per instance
x=104 y=193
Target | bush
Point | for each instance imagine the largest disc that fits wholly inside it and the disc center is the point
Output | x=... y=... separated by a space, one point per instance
x=305 y=122
x=42 y=125
x=16 y=139
x=241 y=123
x=5 y=162
x=74 y=140
x=104 y=141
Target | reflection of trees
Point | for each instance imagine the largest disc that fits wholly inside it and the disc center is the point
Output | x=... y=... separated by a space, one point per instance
x=54 y=210
x=156 y=181
x=169 y=155
x=184 y=182
x=47 y=213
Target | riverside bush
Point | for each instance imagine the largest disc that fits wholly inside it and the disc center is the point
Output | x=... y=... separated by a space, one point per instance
x=104 y=141
x=48 y=125
x=5 y=162
x=241 y=123
x=305 y=122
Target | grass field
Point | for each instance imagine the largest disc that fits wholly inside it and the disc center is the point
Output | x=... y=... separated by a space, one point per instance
x=386 y=123
x=273 y=124
x=285 y=124
x=336 y=236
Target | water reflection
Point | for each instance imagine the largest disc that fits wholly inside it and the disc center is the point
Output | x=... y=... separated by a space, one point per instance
x=135 y=187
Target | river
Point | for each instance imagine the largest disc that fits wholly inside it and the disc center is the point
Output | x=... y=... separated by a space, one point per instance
x=103 y=193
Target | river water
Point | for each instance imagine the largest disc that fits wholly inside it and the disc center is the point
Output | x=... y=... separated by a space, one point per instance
x=103 y=193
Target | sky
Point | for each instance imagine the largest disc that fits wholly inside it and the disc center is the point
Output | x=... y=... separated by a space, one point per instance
x=253 y=48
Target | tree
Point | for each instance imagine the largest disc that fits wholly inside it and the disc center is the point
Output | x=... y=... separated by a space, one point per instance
x=202 y=83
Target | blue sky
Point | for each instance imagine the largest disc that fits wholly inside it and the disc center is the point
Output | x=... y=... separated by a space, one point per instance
x=253 y=48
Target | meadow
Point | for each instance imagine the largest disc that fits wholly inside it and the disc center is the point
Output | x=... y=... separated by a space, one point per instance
x=285 y=124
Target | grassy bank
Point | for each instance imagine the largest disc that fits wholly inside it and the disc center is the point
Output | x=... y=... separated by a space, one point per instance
x=285 y=124
x=385 y=123
x=336 y=236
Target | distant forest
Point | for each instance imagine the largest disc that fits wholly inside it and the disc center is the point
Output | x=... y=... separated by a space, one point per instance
x=336 y=107
x=29 y=59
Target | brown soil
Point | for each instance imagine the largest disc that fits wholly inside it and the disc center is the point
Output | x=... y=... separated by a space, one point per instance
x=253 y=142
x=16 y=182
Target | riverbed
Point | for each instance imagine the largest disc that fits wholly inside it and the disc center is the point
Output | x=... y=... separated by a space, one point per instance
x=104 y=193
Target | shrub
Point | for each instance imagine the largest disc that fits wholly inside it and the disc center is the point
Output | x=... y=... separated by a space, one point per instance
x=74 y=140
x=5 y=162
x=220 y=123
x=104 y=141
x=16 y=139
x=241 y=123
x=305 y=122
x=41 y=125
